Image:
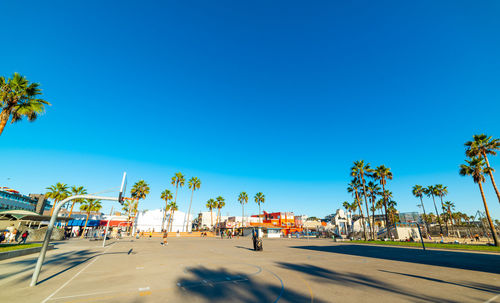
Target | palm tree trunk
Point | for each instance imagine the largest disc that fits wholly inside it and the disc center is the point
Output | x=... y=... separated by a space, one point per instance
x=71 y=210
x=425 y=215
x=211 y=219
x=4 y=118
x=444 y=211
x=362 y=216
x=242 y=214
x=52 y=209
x=385 y=205
x=373 y=216
x=189 y=211
x=260 y=219
x=437 y=214
x=490 y=173
x=493 y=231
x=367 y=209
x=87 y=220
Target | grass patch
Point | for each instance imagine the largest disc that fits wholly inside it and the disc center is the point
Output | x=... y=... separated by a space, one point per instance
x=9 y=247
x=433 y=245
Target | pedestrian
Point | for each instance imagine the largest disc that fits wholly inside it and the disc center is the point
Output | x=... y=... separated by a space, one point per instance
x=150 y=234
x=24 y=236
x=12 y=237
x=2 y=236
x=165 y=235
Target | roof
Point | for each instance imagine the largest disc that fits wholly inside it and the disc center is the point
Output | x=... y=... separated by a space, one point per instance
x=18 y=214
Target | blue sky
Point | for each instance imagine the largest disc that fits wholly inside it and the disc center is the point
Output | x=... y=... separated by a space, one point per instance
x=279 y=97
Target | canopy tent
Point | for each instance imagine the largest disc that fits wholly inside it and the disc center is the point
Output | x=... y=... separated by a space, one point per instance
x=26 y=215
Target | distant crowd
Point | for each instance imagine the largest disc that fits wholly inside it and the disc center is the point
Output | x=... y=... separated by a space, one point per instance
x=12 y=235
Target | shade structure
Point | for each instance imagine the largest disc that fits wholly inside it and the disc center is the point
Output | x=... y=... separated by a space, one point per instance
x=90 y=223
x=115 y=223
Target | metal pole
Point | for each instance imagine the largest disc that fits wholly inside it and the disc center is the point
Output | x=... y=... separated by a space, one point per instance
x=46 y=241
x=105 y=232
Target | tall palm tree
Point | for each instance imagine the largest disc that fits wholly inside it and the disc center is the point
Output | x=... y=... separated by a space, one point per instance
x=194 y=184
x=347 y=206
x=166 y=196
x=211 y=204
x=172 y=206
x=448 y=205
x=481 y=146
x=391 y=207
x=373 y=191
x=418 y=192
x=58 y=192
x=243 y=199
x=442 y=191
x=75 y=191
x=359 y=170
x=220 y=203
x=476 y=168
x=431 y=191
x=178 y=181
x=259 y=198
x=353 y=188
x=89 y=205
x=382 y=174
x=18 y=99
x=139 y=191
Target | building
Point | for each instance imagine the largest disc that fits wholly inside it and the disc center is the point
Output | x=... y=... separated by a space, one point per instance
x=156 y=220
x=11 y=199
x=287 y=222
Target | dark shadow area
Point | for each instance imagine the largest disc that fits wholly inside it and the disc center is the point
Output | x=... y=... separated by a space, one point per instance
x=358 y=281
x=220 y=285
x=476 y=286
x=463 y=260
x=67 y=259
x=243 y=247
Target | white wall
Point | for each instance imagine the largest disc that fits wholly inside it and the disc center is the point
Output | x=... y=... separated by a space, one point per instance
x=152 y=220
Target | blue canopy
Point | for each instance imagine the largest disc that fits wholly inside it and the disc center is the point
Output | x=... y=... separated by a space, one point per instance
x=90 y=223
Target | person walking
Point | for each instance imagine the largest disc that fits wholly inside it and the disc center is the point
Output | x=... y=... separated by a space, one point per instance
x=12 y=237
x=2 y=236
x=165 y=235
x=24 y=236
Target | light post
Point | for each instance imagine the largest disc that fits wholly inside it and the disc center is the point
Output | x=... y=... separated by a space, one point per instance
x=50 y=227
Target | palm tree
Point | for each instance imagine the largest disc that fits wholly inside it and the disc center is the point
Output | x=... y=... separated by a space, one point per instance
x=373 y=191
x=173 y=208
x=58 y=192
x=448 y=205
x=220 y=203
x=177 y=180
x=89 y=205
x=383 y=174
x=75 y=191
x=18 y=99
x=347 y=206
x=359 y=170
x=391 y=207
x=431 y=191
x=211 y=204
x=139 y=191
x=352 y=188
x=243 y=199
x=442 y=191
x=194 y=183
x=166 y=196
x=481 y=146
x=475 y=168
x=259 y=198
x=418 y=192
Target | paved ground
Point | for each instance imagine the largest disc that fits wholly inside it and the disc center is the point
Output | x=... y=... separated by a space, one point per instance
x=215 y=270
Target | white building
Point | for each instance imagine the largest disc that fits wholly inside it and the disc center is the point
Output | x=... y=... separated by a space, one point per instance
x=207 y=220
x=152 y=220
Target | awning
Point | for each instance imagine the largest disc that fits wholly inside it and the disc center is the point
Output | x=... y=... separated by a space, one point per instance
x=115 y=223
x=90 y=223
x=17 y=214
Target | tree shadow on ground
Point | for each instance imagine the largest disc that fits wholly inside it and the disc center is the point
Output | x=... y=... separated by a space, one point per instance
x=359 y=281
x=463 y=260
x=473 y=285
x=221 y=285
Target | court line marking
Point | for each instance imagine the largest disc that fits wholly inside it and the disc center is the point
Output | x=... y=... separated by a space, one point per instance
x=492 y=299
x=76 y=275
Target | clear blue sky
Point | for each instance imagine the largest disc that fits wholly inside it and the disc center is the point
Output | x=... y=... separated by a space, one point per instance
x=272 y=96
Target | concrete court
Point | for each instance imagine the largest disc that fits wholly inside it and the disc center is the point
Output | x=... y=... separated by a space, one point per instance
x=215 y=270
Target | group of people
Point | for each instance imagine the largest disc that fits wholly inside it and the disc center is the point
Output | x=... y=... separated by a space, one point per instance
x=11 y=234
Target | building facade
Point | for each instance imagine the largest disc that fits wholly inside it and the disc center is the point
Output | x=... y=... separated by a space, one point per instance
x=11 y=199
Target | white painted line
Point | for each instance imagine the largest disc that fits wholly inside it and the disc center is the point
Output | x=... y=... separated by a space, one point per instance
x=492 y=299
x=76 y=275
x=144 y=288
x=139 y=268
x=83 y=295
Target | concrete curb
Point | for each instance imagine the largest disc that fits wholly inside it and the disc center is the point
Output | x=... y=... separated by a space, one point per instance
x=22 y=252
